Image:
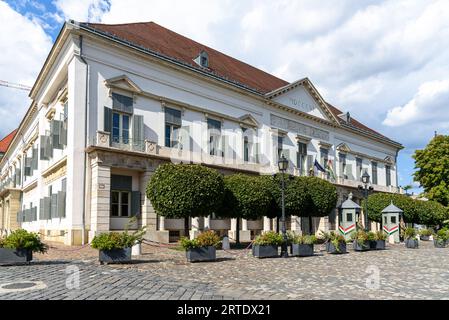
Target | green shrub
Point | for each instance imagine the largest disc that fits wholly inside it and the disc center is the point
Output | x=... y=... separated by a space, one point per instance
x=269 y=238
x=117 y=240
x=185 y=190
x=360 y=236
x=380 y=235
x=425 y=232
x=333 y=237
x=303 y=239
x=371 y=236
x=205 y=239
x=442 y=236
x=410 y=233
x=22 y=239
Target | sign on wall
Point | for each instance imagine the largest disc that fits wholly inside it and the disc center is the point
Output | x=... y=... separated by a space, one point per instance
x=300 y=128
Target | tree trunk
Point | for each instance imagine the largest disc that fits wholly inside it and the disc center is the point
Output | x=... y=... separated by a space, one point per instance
x=311 y=225
x=186 y=227
x=277 y=224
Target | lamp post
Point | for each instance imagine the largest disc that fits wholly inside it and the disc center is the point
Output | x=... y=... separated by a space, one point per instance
x=283 y=165
x=366 y=190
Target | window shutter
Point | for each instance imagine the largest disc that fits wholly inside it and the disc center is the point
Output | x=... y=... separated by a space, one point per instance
x=19 y=216
x=257 y=151
x=61 y=204
x=14 y=180
x=138 y=132
x=309 y=164
x=173 y=116
x=47 y=207
x=63 y=133
x=286 y=153
x=34 y=214
x=122 y=103
x=107 y=120
x=34 y=160
x=18 y=176
x=42 y=145
x=121 y=182
x=54 y=206
x=28 y=162
x=55 y=130
x=348 y=172
x=48 y=147
x=41 y=209
x=135 y=203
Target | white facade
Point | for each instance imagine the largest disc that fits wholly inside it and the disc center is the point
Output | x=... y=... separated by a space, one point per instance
x=75 y=88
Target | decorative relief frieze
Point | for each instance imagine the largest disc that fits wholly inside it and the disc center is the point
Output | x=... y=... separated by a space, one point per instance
x=299 y=128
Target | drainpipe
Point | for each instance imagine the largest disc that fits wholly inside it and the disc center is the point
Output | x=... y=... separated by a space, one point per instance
x=83 y=227
x=396 y=162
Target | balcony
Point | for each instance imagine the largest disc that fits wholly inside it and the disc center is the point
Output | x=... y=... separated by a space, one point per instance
x=175 y=155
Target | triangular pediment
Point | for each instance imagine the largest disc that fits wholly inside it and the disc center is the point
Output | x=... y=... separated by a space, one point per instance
x=302 y=96
x=124 y=83
x=249 y=120
x=343 y=147
x=389 y=160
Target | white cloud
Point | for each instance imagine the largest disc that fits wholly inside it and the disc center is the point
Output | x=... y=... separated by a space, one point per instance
x=430 y=103
x=24 y=46
x=82 y=10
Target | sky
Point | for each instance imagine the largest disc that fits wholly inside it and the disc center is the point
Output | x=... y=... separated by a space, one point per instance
x=386 y=62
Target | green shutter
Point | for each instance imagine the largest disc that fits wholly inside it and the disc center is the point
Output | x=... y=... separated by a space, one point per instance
x=61 y=204
x=34 y=159
x=138 y=132
x=107 y=125
x=18 y=176
x=55 y=130
x=48 y=147
x=63 y=133
x=47 y=208
x=135 y=203
x=54 y=206
x=41 y=209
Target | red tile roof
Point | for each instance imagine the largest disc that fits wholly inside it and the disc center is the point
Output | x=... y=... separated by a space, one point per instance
x=4 y=143
x=157 y=39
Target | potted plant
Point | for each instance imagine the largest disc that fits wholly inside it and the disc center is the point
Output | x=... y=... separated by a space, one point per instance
x=441 y=239
x=378 y=243
x=115 y=247
x=19 y=246
x=424 y=234
x=302 y=245
x=335 y=243
x=360 y=240
x=266 y=244
x=410 y=237
x=202 y=248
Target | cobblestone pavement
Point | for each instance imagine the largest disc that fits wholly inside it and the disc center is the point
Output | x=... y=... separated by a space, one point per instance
x=163 y=273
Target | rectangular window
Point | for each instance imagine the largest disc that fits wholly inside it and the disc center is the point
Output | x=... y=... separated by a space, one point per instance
x=172 y=126
x=120 y=203
x=393 y=219
x=280 y=146
x=302 y=158
x=349 y=217
x=248 y=145
x=388 y=175
x=214 y=132
x=385 y=220
x=120 y=128
x=374 y=172
x=358 y=172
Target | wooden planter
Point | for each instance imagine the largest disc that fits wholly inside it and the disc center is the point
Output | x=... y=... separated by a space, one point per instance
x=115 y=256
x=330 y=248
x=201 y=254
x=13 y=256
x=265 y=251
x=302 y=250
x=411 y=243
x=440 y=244
x=361 y=247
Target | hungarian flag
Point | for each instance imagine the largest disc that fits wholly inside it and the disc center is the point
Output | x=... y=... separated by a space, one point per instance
x=329 y=169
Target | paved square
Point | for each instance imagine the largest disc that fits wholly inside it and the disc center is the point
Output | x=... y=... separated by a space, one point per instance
x=163 y=273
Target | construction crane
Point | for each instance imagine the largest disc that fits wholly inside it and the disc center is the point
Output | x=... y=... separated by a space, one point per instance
x=14 y=85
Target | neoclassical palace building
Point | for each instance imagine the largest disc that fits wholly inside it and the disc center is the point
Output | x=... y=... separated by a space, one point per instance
x=113 y=102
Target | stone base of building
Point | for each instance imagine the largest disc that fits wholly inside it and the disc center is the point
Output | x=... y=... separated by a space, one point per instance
x=245 y=235
x=71 y=237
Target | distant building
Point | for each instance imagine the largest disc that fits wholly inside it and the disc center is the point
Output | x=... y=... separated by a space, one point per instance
x=113 y=102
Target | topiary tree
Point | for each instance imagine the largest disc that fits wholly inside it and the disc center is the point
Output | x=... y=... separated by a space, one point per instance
x=431 y=213
x=185 y=190
x=379 y=201
x=247 y=197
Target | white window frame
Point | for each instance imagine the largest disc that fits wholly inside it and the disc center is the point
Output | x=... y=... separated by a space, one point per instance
x=120 y=213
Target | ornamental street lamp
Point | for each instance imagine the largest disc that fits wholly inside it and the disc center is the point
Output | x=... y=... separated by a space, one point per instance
x=283 y=165
x=366 y=190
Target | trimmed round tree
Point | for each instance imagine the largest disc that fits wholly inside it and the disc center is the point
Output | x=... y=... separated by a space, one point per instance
x=431 y=213
x=185 y=190
x=379 y=201
x=247 y=197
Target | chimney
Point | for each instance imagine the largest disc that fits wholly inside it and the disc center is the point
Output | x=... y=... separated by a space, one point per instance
x=348 y=117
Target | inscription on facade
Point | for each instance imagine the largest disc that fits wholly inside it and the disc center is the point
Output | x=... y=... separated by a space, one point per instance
x=300 y=128
x=303 y=106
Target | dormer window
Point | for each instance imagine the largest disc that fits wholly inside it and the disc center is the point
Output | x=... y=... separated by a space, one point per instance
x=202 y=59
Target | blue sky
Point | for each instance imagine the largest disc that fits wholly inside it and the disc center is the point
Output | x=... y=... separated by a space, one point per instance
x=386 y=62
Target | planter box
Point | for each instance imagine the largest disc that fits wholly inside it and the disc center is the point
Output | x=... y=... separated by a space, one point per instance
x=438 y=244
x=115 y=255
x=265 y=251
x=302 y=250
x=424 y=238
x=377 y=244
x=331 y=248
x=12 y=256
x=411 y=243
x=201 y=254
x=358 y=247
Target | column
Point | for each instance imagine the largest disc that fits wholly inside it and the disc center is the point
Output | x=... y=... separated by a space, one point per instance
x=100 y=199
x=207 y=223
x=295 y=224
x=161 y=223
x=233 y=232
x=195 y=228
x=266 y=224
x=148 y=217
x=245 y=234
